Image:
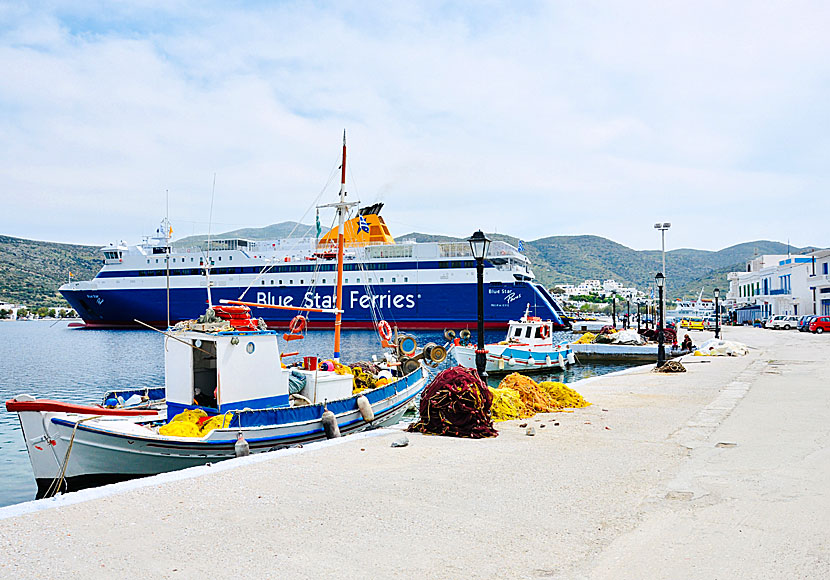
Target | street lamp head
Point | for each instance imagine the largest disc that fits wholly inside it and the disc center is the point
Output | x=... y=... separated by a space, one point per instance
x=657 y=226
x=662 y=226
x=660 y=279
x=717 y=292
x=666 y=225
x=479 y=244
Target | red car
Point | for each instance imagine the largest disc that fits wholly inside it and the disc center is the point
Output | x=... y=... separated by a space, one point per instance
x=820 y=324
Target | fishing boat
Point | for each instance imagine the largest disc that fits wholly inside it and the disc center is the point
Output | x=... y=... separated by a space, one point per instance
x=529 y=346
x=226 y=393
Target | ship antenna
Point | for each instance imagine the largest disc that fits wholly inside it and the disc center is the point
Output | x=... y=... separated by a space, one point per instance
x=207 y=259
x=167 y=248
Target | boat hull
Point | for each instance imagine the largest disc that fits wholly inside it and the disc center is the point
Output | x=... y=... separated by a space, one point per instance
x=411 y=306
x=514 y=359
x=110 y=449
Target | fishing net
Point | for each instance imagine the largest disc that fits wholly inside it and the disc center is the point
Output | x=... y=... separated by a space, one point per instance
x=194 y=423
x=672 y=366
x=520 y=397
x=456 y=403
x=586 y=338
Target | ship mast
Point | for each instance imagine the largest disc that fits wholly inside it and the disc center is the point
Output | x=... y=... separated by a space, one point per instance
x=341 y=218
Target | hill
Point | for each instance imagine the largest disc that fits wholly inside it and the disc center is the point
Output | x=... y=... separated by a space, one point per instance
x=31 y=272
x=272 y=232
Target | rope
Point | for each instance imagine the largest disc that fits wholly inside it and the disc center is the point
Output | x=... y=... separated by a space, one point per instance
x=59 y=479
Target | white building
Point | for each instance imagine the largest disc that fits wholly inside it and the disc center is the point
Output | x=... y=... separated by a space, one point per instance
x=782 y=284
x=13 y=308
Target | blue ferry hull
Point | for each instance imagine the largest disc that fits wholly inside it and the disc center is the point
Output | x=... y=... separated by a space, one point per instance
x=409 y=306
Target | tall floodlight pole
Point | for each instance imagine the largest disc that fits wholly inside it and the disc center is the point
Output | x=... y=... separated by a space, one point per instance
x=479 y=244
x=661 y=349
x=614 y=308
x=663 y=226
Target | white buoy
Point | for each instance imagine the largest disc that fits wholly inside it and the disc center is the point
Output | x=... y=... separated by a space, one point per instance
x=571 y=358
x=501 y=364
x=547 y=361
x=365 y=408
x=330 y=425
x=241 y=447
x=512 y=362
x=561 y=362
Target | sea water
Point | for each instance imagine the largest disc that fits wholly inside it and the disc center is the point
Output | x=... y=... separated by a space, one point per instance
x=49 y=360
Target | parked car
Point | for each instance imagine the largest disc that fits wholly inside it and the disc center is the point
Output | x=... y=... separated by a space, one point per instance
x=785 y=321
x=709 y=322
x=691 y=323
x=804 y=323
x=820 y=324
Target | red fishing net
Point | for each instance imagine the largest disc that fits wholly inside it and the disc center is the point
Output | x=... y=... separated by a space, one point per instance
x=456 y=403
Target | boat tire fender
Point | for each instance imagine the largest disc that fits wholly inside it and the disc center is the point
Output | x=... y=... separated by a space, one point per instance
x=464 y=334
x=330 y=425
x=449 y=334
x=365 y=408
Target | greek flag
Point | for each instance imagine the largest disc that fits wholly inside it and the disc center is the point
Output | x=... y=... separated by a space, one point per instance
x=521 y=246
x=362 y=225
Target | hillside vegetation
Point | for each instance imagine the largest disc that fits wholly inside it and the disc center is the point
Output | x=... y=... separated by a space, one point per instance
x=31 y=272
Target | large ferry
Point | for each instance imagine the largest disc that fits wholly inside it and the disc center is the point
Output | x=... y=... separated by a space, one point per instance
x=412 y=285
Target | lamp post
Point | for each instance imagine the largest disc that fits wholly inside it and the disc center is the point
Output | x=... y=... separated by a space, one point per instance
x=627 y=313
x=661 y=349
x=663 y=227
x=717 y=313
x=638 y=316
x=479 y=244
x=614 y=308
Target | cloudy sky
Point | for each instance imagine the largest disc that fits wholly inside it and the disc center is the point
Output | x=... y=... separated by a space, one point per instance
x=526 y=118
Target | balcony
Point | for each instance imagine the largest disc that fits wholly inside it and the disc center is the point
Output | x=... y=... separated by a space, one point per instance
x=819 y=281
x=779 y=292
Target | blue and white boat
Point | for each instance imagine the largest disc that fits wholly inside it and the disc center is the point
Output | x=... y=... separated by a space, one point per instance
x=415 y=286
x=529 y=346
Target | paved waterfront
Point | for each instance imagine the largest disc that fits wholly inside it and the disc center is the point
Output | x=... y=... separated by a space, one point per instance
x=720 y=472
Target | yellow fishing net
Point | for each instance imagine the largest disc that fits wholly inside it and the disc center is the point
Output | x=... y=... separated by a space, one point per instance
x=586 y=338
x=520 y=397
x=186 y=424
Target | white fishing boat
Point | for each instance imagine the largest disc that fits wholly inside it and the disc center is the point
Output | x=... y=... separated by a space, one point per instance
x=226 y=367
x=528 y=347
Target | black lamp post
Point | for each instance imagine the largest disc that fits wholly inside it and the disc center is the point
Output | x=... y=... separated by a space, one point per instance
x=661 y=349
x=638 y=316
x=627 y=313
x=614 y=308
x=717 y=313
x=479 y=244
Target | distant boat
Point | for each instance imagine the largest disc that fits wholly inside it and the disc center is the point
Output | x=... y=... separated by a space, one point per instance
x=528 y=347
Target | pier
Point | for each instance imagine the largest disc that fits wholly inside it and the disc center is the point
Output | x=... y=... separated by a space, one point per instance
x=720 y=471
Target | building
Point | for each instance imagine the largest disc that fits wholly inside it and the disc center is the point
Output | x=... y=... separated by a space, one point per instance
x=782 y=284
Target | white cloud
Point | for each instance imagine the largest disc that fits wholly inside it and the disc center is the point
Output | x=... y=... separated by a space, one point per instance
x=532 y=119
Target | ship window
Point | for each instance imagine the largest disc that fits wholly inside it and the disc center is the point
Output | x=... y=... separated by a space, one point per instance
x=405 y=279
x=527 y=334
x=272 y=282
x=148 y=260
x=280 y=282
x=302 y=282
x=518 y=332
x=191 y=259
x=539 y=332
x=291 y=281
x=357 y=280
x=230 y=257
x=394 y=279
x=220 y=258
x=346 y=281
x=157 y=260
x=381 y=279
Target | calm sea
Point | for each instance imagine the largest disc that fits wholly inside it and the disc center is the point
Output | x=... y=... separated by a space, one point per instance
x=49 y=360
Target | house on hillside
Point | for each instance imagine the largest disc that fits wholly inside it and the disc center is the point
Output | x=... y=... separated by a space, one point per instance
x=783 y=284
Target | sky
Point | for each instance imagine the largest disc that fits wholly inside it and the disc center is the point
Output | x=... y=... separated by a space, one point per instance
x=525 y=118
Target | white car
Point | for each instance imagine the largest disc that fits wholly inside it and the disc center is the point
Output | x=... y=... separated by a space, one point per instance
x=784 y=321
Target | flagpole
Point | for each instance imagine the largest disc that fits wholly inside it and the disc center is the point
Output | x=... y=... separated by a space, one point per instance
x=340 y=244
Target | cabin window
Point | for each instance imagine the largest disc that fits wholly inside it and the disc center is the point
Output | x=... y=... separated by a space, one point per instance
x=517 y=333
x=357 y=280
x=405 y=279
x=381 y=279
x=191 y=259
x=157 y=260
x=302 y=282
x=280 y=282
x=272 y=282
x=291 y=281
x=262 y=283
x=539 y=332
x=394 y=279
x=204 y=374
x=230 y=258
x=528 y=331
x=346 y=281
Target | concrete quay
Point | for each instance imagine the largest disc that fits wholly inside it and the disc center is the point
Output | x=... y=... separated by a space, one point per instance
x=719 y=472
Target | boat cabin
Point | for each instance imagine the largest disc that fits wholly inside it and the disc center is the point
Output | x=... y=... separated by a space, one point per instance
x=234 y=370
x=530 y=330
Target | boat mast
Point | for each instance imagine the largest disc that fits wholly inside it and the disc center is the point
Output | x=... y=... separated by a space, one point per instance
x=341 y=218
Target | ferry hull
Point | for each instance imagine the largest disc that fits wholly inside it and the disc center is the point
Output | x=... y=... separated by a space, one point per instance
x=409 y=306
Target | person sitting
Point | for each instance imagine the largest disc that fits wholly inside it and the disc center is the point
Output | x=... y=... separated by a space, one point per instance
x=687 y=343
